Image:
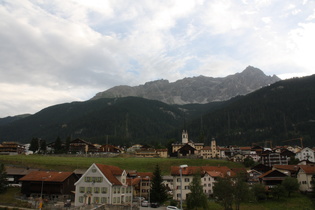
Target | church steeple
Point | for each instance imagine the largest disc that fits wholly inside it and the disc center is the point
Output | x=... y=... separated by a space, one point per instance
x=185 y=137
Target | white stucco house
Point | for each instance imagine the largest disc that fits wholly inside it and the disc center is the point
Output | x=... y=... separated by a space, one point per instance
x=103 y=184
x=306 y=154
x=305 y=176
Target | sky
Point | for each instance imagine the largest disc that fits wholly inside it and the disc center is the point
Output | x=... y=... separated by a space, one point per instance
x=58 y=51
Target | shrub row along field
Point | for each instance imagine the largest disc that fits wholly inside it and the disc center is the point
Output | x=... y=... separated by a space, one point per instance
x=70 y=163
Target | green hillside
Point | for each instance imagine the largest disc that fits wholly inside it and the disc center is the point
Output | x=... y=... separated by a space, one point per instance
x=278 y=112
x=282 y=111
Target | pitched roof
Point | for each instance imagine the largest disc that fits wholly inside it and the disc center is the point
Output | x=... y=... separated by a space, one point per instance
x=308 y=169
x=214 y=173
x=272 y=173
x=191 y=170
x=110 y=172
x=46 y=176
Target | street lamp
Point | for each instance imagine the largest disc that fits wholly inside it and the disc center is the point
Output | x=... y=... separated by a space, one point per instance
x=149 y=191
x=41 y=192
x=181 y=184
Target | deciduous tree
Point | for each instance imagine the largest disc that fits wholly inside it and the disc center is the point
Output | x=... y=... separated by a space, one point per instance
x=290 y=184
x=223 y=192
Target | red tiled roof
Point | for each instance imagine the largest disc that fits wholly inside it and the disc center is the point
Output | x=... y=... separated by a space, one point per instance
x=206 y=148
x=110 y=172
x=145 y=174
x=245 y=148
x=214 y=173
x=46 y=176
x=191 y=170
x=308 y=169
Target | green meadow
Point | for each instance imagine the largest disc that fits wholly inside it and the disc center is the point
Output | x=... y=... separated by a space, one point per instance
x=70 y=163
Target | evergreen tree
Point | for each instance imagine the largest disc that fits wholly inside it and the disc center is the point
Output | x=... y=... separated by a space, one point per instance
x=3 y=179
x=196 y=199
x=158 y=191
x=58 y=146
x=34 y=145
x=43 y=146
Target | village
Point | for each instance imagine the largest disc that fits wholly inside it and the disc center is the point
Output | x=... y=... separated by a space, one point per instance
x=110 y=185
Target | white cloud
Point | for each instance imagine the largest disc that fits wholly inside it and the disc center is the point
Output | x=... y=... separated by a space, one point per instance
x=49 y=46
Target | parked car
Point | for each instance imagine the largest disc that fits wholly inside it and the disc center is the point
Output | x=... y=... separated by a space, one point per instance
x=172 y=208
x=138 y=199
x=155 y=205
x=145 y=203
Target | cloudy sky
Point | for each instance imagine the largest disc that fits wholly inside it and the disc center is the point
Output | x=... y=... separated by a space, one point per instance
x=60 y=51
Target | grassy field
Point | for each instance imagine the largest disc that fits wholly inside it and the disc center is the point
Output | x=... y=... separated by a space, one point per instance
x=67 y=163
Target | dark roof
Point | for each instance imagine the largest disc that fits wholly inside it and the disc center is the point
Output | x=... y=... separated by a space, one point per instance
x=46 y=176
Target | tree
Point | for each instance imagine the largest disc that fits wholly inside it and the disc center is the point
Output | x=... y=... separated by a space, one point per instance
x=259 y=192
x=34 y=144
x=3 y=179
x=248 y=162
x=277 y=191
x=58 y=145
x=240 y=190
x=290 y=184
x=158 y=191
x=223 y=192
x=43 y=146
x=196 y=199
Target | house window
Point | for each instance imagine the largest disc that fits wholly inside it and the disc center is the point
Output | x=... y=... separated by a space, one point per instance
x=186 y=179
x=114 y=199
x=123 y=190
x=87 y=179
x=205 y=179
x=81 y=199
x=82 y=189
x=89 y=189
x=178 y=195
x=96 y=199
x=118 y=190
x=96 y=189
x=204 y=185
x=99 y=179
x=186 y=187
x=209 y=185
x=178 y=179
x=103 y=200
x=104 y=190
x=115 y=190
x=118 y=199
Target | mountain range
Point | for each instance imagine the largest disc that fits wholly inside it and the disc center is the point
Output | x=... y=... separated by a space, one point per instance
x=199 y=90
x=277 y=111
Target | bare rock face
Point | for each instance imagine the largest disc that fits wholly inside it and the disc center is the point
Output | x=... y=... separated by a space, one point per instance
x=199 y=89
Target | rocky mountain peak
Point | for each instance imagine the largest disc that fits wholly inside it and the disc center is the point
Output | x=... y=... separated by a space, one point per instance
x=199 y=89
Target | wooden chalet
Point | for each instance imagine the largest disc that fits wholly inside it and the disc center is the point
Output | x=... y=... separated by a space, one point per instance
x=272 y=178
x=52 y=185
x=80 y=146
x=109 y=148
x=11 y=148
x=15 y=174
